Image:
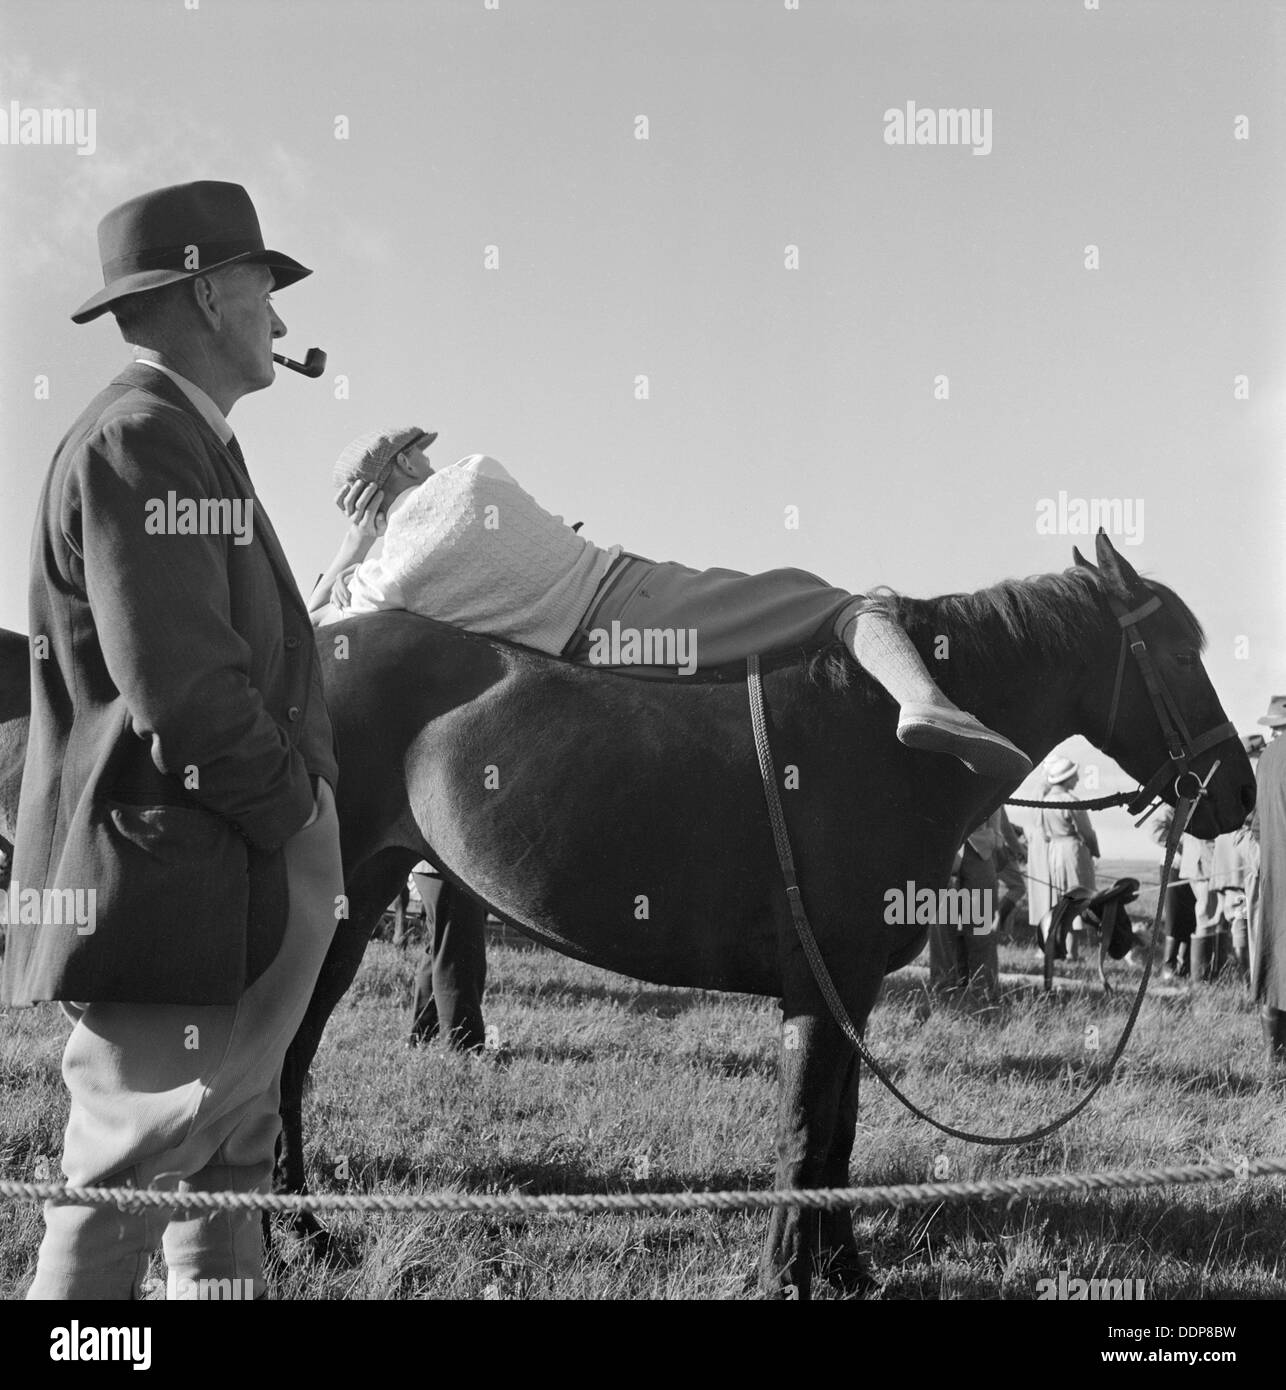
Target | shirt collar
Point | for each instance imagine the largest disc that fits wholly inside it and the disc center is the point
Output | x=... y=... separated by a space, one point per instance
x=205 y=407
x=399 y=501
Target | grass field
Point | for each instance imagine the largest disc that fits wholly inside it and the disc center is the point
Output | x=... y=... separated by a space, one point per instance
x=602 y=1079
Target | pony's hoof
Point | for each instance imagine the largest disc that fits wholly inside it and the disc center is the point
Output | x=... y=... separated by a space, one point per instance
x=309 y=1240
x=782 y=1293
x=848 y=1272
x=301 y=1226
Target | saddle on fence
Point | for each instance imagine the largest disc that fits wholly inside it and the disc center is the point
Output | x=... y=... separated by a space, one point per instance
x=1104 y=910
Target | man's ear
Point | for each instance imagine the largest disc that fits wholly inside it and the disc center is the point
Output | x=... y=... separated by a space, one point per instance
x=204 y=292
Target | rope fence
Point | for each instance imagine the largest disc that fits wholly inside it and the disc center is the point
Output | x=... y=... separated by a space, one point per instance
x=520 y=1204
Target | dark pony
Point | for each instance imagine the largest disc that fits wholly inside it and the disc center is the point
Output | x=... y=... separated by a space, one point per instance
x=622 y=820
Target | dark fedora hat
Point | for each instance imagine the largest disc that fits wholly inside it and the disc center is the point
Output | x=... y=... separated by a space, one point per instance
x=178 y=233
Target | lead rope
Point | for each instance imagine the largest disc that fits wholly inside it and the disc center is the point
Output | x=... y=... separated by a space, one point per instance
x=781 y=838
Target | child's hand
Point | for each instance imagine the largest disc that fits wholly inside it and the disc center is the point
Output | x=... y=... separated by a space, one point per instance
x=362 y=504
x=339 y=594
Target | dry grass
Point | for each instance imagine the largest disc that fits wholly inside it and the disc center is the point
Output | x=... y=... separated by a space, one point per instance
x=600 y=1074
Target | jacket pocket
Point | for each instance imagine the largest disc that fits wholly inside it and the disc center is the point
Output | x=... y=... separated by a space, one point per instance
x=171 y=886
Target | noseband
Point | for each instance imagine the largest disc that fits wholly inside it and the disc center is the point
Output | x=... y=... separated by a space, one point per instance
x=1183 y=748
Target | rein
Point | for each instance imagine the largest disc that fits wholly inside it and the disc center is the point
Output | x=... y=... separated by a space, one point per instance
x=1181 y=747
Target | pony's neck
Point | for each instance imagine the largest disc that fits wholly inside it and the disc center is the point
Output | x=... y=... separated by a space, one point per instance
x=1021 y=691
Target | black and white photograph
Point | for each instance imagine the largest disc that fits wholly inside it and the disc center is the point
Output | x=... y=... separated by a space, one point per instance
x=642 y=659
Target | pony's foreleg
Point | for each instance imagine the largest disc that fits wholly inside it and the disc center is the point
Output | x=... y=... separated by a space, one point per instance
x=838 y=1259
x=816 y=1119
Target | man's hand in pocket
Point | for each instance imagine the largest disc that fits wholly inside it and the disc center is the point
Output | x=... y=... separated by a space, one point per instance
x=316 y=803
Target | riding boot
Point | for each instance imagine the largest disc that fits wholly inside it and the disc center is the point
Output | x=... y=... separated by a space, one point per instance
x=1274 y=1026
x=1241 y=954
x=1177 y=908
x=1170 y=962
x=1222 y=952
x=1203 y=957
x=1176 y=959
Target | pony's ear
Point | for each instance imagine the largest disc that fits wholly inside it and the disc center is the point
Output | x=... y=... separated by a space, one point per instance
x=1079 y=560
x=1119 y=571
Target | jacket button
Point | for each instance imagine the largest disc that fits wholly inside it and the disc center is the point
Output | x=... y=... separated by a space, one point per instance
x=293 y=712
x=291 y=643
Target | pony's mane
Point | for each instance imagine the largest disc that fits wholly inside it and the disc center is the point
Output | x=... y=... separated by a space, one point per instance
x=1044 y=615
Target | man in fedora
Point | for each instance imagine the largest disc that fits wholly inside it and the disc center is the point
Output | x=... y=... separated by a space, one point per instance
x=178 y=791
x=1267 y=888
x=1234 y=869
x=1275 y=719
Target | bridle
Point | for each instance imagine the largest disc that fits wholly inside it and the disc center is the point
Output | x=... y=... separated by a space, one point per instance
x=1182 y=747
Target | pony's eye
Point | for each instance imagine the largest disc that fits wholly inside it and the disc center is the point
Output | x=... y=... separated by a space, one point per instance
x=1186 y=660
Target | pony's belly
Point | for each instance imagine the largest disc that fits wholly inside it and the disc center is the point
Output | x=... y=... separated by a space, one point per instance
x=688 y=960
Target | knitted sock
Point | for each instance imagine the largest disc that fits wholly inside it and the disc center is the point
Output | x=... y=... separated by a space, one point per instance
x=882 y=648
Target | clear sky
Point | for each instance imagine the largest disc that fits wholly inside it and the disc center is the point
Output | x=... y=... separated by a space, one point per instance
x=768 y=387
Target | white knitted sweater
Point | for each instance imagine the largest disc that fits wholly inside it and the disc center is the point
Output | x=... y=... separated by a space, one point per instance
x=469 y=546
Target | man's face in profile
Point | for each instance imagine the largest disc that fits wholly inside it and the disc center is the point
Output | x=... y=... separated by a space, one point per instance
x=250 y=324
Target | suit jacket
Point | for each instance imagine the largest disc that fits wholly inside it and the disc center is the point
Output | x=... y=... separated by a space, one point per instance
x=1269 y=964
x=177 y=719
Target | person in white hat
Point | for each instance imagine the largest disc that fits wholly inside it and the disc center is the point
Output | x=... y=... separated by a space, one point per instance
x=1071 y=846
x=467 y=545
x=1275 y=719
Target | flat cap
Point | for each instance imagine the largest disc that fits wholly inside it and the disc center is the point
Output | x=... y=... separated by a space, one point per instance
x=370 y=456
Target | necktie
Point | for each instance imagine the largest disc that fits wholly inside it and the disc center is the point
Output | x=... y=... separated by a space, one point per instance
x=262 y=524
